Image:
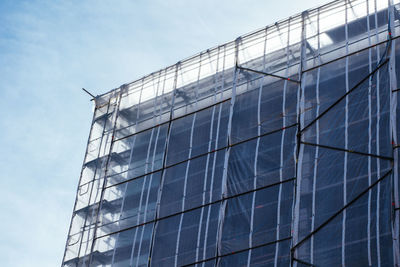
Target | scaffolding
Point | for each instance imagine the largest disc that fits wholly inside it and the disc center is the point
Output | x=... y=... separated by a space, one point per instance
x=276 y=149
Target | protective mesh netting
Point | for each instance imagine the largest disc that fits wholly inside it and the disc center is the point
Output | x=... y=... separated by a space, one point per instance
x=277 y=149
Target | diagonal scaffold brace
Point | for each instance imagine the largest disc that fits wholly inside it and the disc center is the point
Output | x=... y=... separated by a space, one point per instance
x=346 y=94
x=268 y=74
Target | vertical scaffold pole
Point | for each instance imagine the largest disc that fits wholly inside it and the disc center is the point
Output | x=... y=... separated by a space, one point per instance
x=393 y=133
x=224 y=190
x=299 y=146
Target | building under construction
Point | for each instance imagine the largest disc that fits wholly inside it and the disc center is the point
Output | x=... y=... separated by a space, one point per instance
x=277 y=149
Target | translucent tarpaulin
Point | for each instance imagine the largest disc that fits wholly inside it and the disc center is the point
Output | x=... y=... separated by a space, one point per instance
x=277 y=149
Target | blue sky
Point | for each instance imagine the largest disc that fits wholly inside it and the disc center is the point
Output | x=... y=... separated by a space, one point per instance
x=51 y=49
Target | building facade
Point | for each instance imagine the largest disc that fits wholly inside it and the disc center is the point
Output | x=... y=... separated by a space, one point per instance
x=277 y=149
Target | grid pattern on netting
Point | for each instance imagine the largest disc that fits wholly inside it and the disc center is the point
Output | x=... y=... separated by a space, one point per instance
x=277 y=149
